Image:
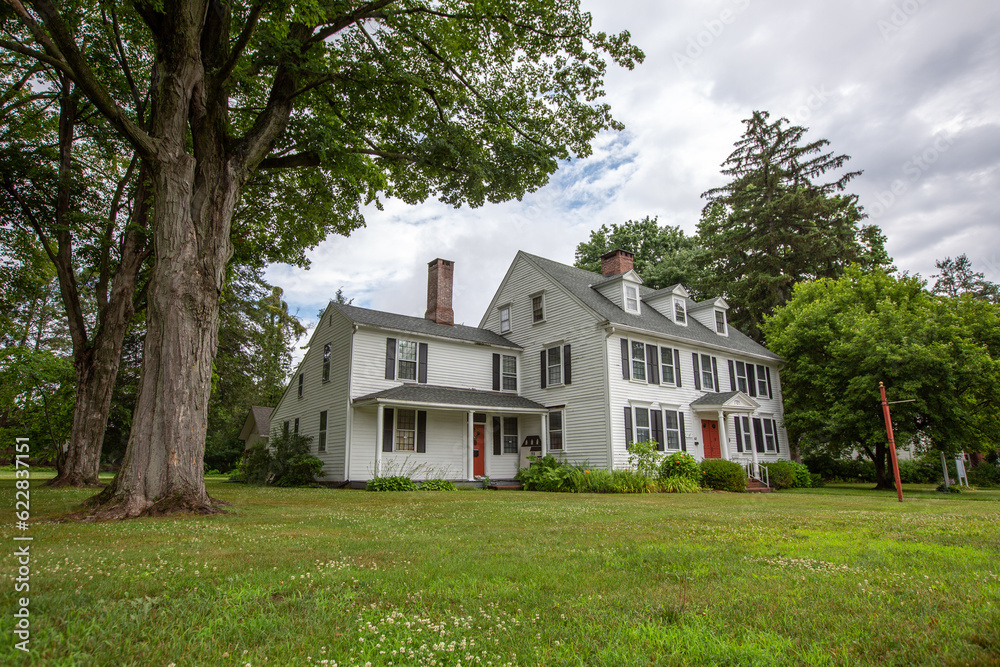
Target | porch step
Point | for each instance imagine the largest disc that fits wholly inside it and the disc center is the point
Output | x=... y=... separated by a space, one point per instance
x=756 y=486
x=506 y=486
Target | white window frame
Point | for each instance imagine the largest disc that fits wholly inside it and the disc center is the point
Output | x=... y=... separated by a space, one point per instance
x=506 y=375
x=746 y=425
x=509 y=443
x=302 y=379
x=667 y=430
x=626 y=299
x=724 y=331
x=326 y=362
x=550 y=367
x=400 y=360
x=770 y=439
x=742 y=382
x=504 y=310
x=399 y=432
x=667 y=361
x=761 y=381
x=636 y=437
x=680 y=312
x=324 y=422
x=538 y=314
x=635 y=345
x=561 y=431
x=707 y=375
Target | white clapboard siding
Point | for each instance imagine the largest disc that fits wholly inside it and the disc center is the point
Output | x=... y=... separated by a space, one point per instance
x=446 y=456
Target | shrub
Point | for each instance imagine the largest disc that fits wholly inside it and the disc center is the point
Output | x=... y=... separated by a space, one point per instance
x=630 y=481
x=300 y=470
x=679 y=484
x=723 y=475
x=919 y=471
x=787 y=475
x=985 y=476
x=644 y=458
x=596 y=481
x=548 y=474
x=392 y=483
x=255 y=465
x=437 y=485
x=680 y=464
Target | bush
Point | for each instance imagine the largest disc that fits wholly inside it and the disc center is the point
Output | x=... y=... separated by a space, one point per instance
x=548 y=474
x=630 y=481
x=255 y=466
x=723 y=475
x=596 y=481
x=644 y=458
x=437 y=485
x=985 y=476
x=286 y=461
x=787 y=475
x=393 y=483
x=679 y=484
x=680 y=464
x=919 y=471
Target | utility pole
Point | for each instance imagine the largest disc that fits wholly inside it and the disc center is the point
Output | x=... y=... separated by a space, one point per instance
x=892 y=441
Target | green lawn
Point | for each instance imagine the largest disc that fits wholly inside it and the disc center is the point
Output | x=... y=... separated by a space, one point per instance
x=832 y=576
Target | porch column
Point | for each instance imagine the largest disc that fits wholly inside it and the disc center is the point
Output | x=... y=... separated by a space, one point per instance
x=753 y=451
x=723 y=435
x=470 y=475
x=379 y=421
x=545 y=434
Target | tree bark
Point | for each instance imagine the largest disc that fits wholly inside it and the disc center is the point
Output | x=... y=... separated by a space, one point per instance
x=883 y=481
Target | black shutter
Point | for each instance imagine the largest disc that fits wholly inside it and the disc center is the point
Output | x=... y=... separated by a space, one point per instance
x=387 y=430
x=628 y=426
x=390 y=358
x=758 y=432
x=680 y=423
x=422 y=363
x=421 y=431
x=625 y=358
x=497 y=449
x=652 y=365
x=739 y=430
x=767 y=371
x=732 y=376
x=544 y=369
x=697 y=370
x=715 y=374
x=774 y=427
x=657 y=419
x=751 y=380
x=677 y=366
x=567 y=369
x=496 y=372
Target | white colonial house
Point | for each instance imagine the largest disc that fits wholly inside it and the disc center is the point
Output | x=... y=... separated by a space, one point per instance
x=564 y=361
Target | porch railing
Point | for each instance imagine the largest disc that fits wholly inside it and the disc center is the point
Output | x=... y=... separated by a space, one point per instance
x=756 y=471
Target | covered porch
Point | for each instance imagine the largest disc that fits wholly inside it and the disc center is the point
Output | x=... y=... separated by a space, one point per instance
x=713 y=411
x=429 y=432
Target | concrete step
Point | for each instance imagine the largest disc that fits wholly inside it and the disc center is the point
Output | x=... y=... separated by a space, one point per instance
x=506 y=486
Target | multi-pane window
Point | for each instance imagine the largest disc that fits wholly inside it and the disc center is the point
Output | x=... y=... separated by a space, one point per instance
x=301 y=381
x=761 y=381
x=556 y=429
x=406 y=430
x=642 y=430
x=406 y=352
x=638 y=361
x=707 y=376
x=505 y=319
x=326 y=363
x=769 y=435
x=680 y=315
x=720 y=321
x=321 y=445
x=510 y=435
x=672 y=429
x=741 y=377
x=631 y=299
x=745 y=434
x=284 y=429
x=537 y=311
x=296 y=426
x=667 y=369
x=554 y=360
x=509 y=372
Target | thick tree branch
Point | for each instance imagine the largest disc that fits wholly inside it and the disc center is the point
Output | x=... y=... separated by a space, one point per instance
x=14 y=47
x=123 y=62
x=239 y=46
x=363 y=12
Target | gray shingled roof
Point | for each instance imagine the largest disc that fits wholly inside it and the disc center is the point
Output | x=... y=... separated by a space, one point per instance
x=579 y=283
x=422 y=393
x=377 y=318
x=714 y=398
x=262 y=417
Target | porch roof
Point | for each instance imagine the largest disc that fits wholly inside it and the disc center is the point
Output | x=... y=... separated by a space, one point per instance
x=731 y=401
x=449 y=397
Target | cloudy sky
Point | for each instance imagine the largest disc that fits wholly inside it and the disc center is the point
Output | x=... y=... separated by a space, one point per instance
x=910 y=89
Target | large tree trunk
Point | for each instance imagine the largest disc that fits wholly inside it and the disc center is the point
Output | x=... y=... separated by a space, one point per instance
x=884 y=481
x=163 y=466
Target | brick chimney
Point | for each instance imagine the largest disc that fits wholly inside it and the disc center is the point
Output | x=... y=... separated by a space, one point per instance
x=616 y=262
x=439 y=278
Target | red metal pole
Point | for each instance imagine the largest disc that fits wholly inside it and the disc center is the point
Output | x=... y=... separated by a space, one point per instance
x=892 y=441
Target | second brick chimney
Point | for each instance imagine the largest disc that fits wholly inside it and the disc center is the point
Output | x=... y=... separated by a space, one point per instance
x=616 y=262
x=439 y=279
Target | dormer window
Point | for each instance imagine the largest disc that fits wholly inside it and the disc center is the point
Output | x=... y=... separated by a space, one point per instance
x=680 y=314
x=631 y=298
x=720 y=322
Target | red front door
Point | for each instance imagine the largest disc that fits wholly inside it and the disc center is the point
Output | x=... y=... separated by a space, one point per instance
x=710 y=436
x=478 y=452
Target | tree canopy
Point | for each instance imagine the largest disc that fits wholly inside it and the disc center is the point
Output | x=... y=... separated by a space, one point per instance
x=841 y=337
x=774 y=224
x=957 y=278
